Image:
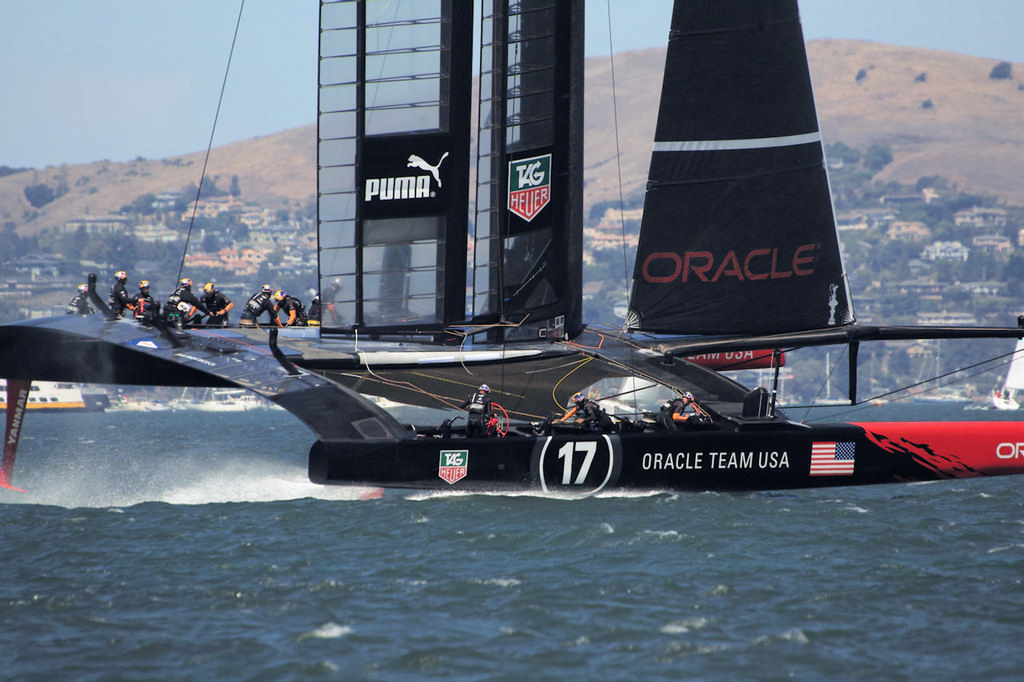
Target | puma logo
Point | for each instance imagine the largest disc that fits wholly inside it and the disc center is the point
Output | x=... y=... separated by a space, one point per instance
x=418 y=162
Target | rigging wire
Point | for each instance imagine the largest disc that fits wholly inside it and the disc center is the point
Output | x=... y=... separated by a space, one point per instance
x=618 y=170
x=903 y=392
x=209 y=145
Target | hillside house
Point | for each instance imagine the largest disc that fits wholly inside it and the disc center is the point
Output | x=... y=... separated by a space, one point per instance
x=862 y=218
x=98 y=224
x=273 y=236
x=989 y=288
x=908 y=231
x=920 y=288
x=167 y=199
x=256 y=217
x=926 y=196
x=156 y=233
x=213 y=207
x=241 y=262
x=37 y=266
x=993 y=243
x=947 y=319
x=976 y=216
x=946 y=251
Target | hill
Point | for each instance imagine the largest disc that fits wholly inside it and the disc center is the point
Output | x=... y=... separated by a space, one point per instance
x=939 y=112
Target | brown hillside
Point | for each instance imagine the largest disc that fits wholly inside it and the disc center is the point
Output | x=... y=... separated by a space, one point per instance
x=272 y=170
x=973 y=134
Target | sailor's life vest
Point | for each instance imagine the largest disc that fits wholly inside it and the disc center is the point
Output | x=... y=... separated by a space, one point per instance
x=476 y=404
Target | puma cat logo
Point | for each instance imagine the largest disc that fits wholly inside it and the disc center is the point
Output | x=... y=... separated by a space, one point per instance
x=418 y=162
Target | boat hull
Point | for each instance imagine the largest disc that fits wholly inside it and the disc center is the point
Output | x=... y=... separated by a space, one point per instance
x=771 y=456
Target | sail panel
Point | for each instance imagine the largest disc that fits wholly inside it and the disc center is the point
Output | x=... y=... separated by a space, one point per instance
x=393 y=163
x=528 y=226
x=1015 y=375
x=738 y=233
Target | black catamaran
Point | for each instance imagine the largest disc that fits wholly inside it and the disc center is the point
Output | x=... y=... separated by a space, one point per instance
x=448 y=261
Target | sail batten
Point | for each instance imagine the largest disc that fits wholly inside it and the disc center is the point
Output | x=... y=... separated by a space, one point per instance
x=722 y=145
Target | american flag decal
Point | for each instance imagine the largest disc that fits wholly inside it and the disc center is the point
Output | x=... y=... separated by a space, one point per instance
x=832 y=459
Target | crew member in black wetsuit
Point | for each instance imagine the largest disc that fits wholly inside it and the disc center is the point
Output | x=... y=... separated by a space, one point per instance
x=120 y=300
x=684 y=409
x=260 y=302
x=291 y=307
x=479 y=404
x=587 y=413
x=332 y=297
x=314 y=312
x=184 y=302
x=217 y=303
x=79 y=303
x=145 y=306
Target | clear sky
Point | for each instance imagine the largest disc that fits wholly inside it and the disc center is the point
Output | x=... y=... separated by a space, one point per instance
x=88 y=80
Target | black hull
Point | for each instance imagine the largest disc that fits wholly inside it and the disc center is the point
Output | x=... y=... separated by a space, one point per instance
x=359 y=443
x=779 y=456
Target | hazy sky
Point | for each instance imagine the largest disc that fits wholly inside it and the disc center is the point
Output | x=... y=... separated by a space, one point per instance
x=88 y=80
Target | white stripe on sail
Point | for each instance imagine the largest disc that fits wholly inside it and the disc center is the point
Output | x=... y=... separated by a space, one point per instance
x=719 y=145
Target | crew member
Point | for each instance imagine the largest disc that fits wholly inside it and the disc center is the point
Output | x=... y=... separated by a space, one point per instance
x=292 y=307
x=332 y=298
x=120 y=299
x=145 y=306
x=184 y=302
x=260 y=302
x=479 y=404
x=314 y=312
x=685 y=409
x=217 y=304
x=587 y=413
x=79 y=303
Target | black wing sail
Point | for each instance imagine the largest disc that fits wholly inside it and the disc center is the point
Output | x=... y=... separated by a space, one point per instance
x=528 y=244
x=395 y=98
x=738 y=234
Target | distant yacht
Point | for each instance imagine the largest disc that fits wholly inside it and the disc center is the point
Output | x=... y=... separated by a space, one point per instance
x=49 y=396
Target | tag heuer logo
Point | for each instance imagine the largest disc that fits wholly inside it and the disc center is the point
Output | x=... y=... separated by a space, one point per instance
x=529 y=186
x=454 y=465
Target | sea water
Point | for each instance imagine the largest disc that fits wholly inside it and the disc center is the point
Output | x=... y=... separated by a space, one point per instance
x=190 y=546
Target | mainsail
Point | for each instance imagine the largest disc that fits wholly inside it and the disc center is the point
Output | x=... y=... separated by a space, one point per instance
x=738 y=234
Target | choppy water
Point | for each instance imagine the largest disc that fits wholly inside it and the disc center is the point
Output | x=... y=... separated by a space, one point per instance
x=190 y=546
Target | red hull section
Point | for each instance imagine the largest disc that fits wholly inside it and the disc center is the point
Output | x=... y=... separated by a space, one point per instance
x=954 y=449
